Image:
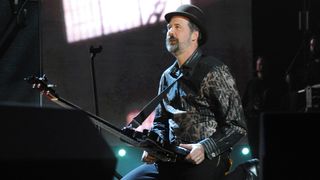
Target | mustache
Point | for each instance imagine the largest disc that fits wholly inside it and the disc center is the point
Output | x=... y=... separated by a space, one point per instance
x=172 y=38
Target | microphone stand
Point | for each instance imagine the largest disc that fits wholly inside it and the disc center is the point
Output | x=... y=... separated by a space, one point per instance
x=93 y=51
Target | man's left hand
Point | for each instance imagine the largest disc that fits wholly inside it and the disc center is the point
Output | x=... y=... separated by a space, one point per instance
x=196 y=154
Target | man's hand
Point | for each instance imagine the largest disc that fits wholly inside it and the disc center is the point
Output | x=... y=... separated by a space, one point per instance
x=148 y=158
x=196 y=154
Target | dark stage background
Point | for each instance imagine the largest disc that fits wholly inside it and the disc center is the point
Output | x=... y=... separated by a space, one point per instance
x=19 y=51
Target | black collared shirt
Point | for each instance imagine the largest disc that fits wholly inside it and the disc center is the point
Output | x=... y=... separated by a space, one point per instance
x=204 y=106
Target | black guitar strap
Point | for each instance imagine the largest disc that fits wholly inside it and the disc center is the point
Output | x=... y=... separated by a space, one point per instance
x=146 y=110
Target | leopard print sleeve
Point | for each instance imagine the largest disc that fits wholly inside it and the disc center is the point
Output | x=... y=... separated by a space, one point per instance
x=220 y=88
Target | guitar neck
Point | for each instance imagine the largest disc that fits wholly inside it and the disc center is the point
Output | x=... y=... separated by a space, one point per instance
x=146 y=140
x=98 y=121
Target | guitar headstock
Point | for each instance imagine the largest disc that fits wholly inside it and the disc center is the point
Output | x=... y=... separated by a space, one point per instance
x=41 y=83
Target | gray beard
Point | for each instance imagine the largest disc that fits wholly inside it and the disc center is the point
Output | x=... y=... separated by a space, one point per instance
x=172 y=48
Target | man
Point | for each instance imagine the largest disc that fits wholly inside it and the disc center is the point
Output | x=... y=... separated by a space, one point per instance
x=313 y=64
x=254 y=102
x=202 y=111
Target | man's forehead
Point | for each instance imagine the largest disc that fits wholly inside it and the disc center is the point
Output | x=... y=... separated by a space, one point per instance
x=178 y=19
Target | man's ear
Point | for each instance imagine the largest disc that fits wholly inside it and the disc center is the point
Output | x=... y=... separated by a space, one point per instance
x=195 y=36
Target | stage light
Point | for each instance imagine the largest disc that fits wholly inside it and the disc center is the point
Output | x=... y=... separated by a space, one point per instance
x=88 y=19
x=122 y=152
x=245 y=151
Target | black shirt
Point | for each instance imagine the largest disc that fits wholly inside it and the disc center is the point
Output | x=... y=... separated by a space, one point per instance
x=204 y=106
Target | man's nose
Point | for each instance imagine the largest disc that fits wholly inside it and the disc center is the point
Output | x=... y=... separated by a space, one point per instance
x=170 y=32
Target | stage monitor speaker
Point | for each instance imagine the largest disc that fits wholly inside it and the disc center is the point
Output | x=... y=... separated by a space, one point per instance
x=289 y=146
x=51 y=143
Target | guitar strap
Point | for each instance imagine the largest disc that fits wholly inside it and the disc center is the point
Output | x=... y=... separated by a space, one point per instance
x=147 y=109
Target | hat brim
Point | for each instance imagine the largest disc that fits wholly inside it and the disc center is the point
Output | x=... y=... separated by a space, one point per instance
x=194 y=20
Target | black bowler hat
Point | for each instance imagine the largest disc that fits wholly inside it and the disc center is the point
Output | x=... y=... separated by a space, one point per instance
x=195 y=15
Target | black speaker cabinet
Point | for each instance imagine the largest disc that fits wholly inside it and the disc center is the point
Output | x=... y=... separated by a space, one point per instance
x=49 y=143
x=289 y=146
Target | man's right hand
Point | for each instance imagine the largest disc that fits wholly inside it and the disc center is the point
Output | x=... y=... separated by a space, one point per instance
x=148 y=158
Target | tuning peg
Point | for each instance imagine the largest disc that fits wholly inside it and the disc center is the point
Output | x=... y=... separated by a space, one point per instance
x=43 y=78
x=38 y=85
x=52 y=85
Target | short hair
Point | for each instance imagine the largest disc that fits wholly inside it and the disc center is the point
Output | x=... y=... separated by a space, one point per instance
x=193 y=28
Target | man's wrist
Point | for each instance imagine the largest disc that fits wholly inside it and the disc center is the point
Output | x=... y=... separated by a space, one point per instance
x=209 y=145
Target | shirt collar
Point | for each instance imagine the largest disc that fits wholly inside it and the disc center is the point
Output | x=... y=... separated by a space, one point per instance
x=188 y=67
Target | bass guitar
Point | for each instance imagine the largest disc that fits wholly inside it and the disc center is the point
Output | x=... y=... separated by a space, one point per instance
x=147 y=140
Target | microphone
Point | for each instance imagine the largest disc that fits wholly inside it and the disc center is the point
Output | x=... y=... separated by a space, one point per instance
x=95 y=50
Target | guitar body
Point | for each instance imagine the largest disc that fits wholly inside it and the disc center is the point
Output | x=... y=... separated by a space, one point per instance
x=153 y=144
